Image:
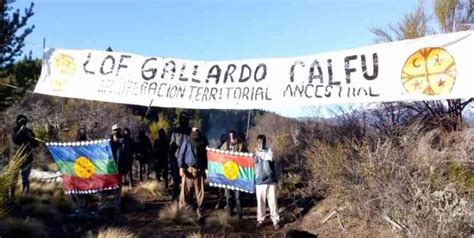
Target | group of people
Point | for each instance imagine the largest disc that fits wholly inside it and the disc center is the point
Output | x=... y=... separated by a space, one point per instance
x=185 y=155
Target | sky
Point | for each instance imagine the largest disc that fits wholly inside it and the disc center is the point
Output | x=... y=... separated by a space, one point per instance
x=210 y=29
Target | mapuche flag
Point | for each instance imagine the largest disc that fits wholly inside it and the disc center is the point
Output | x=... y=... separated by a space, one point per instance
x=86 y=166
x=231 y=170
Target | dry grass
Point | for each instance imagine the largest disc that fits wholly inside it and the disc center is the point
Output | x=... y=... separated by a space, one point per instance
x=195 y=235
x=8 y=178
x=114 y=232
x=22 y=228
x=149 y=190
x=172 y=213
x=221 y=221
x=418 y=183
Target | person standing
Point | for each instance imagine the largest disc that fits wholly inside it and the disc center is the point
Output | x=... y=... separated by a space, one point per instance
x=233 y=196
x=23 y=136
x=220 y=191
x=129 y=147
x=161 y=149
x=192 y=162
x=81 y=134
x=143 y=152
x=266 y=183
x=178 y=136
x=80 y=200
x=120 y=152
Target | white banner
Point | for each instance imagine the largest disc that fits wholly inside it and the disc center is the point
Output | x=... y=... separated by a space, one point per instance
x=429 y=68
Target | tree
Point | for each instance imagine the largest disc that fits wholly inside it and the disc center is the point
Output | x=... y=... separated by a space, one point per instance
x=14 y=30
x=450 y=16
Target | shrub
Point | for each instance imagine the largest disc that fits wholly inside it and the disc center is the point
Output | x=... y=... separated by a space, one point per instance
x=148 y=190
x=417 y=182
x=113 y=232
x=172 y=213
x=8 y=179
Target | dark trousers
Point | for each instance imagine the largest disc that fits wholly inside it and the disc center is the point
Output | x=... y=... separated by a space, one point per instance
x=161 y=171
x=231 y=203
x=176 y=179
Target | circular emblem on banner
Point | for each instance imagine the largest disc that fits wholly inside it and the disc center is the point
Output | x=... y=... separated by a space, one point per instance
x=231 y=170
x=63 y=67
x=430 y=71
x=83 y=167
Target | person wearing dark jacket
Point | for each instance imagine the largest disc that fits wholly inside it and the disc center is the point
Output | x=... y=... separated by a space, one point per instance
x=143 y=152
x=266 y=183
x=220 y=191
x=161 y=150
x=81 y=134
x=178 y=136
x=128 y=149
x=23 y=136
x=233 y=196
x=192 y=162
x=121 y=154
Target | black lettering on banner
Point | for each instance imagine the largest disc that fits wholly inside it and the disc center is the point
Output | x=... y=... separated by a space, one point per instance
x=152 y=88
x=311 y=72
x=228 y=92
x=328 y=92
x=245 y=93
x=198 y=93
x=244 y=68
x=86 y=63
x=112 y=66
x=143 y=88
x=373 y=94
x=330 y=74
x=292 y=70
x=267 y=96
x=121 y=65
x=213 y=93
x=172 y=70
x=306 y=91
x=192 y=90
x=220 y=94
x=216 y=75
x=228 y=73
x=288 y=89
x=375 y=73
x=237 y=93
x=259 y=93
x=317 y=90
x=148 y=70
x=299 y=89
x=181 y=78
x=264 y=73
x=360 y=90
x=347 y=67
x=159 y=90
x=195 y=70
x=205 y=94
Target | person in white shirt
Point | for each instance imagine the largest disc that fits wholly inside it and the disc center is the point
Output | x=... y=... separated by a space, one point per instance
x=266 y=183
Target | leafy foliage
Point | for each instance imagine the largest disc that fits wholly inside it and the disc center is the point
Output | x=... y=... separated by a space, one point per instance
x=14 y=30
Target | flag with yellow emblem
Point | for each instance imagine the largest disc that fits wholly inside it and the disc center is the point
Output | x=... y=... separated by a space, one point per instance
x=86 y=167
x=231 y=170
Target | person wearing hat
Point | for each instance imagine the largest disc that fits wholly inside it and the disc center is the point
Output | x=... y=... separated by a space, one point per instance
x=120 y=150
x=192 y=162
x=23 y=136
x=178 y=137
